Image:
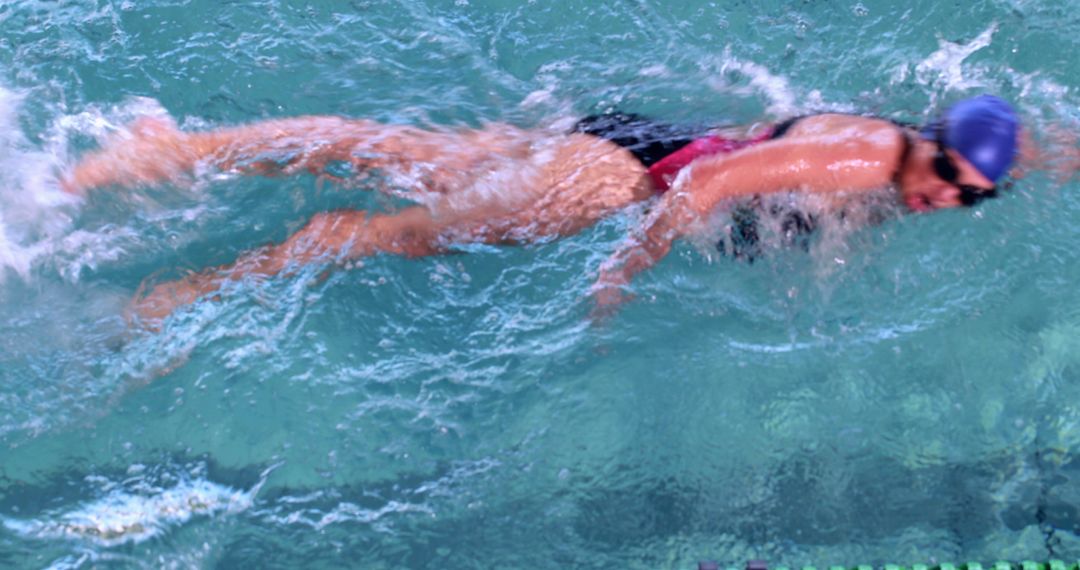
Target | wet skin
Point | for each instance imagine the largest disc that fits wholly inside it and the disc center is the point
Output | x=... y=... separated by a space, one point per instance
x=504 y=185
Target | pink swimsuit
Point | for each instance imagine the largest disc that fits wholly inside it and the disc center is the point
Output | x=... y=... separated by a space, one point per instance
x=664 y=172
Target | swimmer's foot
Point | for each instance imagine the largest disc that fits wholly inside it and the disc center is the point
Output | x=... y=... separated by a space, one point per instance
x=150 y=311
x=151 y=150
x=608 y=295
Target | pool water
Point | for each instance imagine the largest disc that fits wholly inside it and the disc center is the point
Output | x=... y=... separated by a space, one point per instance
x=901 y=392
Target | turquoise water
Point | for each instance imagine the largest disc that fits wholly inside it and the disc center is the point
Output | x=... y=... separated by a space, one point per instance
x=904 y=392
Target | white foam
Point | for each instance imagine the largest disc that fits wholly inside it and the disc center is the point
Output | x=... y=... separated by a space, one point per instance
x=10 y=255
x=735 y=76
x=945 y=67
x=35 y=214
x=33 y=209
x=782 y=98
x=123 y=516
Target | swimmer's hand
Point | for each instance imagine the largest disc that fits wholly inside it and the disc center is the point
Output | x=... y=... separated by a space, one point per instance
x=152 y=150
x=637 y=254
x=608 y=294
x=149 y=311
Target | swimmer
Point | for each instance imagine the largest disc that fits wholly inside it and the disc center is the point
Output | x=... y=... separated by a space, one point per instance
x=505 y=185
x=955 y=161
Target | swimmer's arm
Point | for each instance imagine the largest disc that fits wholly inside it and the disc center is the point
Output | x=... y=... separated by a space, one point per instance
x=1060 y=157
x=818 y=165
x=154 y=150
x=338 y=237
x=667 y=223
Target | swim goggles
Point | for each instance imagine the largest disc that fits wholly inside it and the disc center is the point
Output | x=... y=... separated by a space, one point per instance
x=946 y=169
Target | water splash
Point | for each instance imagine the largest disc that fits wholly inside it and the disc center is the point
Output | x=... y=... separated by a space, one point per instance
x=36 y=216
x=33 y=210
x=124 y=516
x=945 y=67
x=782 y=99
x=822 y=226
x=749 y=79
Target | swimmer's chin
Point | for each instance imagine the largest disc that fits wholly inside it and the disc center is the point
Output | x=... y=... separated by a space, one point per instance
x=919 y=204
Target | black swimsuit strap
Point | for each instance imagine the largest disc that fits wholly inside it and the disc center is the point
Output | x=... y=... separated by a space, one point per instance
x=781 y=128
x=647 y=139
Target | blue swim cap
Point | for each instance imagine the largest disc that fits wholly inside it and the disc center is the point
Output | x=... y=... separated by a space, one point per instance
x=983 y=130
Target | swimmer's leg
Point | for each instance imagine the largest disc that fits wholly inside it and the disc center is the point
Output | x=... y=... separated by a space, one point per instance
x=334 y=236
x=154 y=150
x=151 y=150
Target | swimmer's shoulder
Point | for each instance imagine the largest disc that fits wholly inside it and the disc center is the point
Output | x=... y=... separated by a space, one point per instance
x=829 y=123
x=874 y=149
x=875 y=138
x=822 y=124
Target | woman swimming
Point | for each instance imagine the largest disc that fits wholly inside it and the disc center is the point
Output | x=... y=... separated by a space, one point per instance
x=504 y=185
x=955 y=161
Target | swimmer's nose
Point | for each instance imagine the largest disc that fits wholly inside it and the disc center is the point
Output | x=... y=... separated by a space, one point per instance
x=945 y=196
x=953 y=194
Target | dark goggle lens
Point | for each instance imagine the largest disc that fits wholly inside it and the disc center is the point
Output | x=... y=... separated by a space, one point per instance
x=972 y=195
x=946 y=169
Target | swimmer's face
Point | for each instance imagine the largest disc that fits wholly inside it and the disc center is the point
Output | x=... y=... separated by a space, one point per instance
x=941 y=178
